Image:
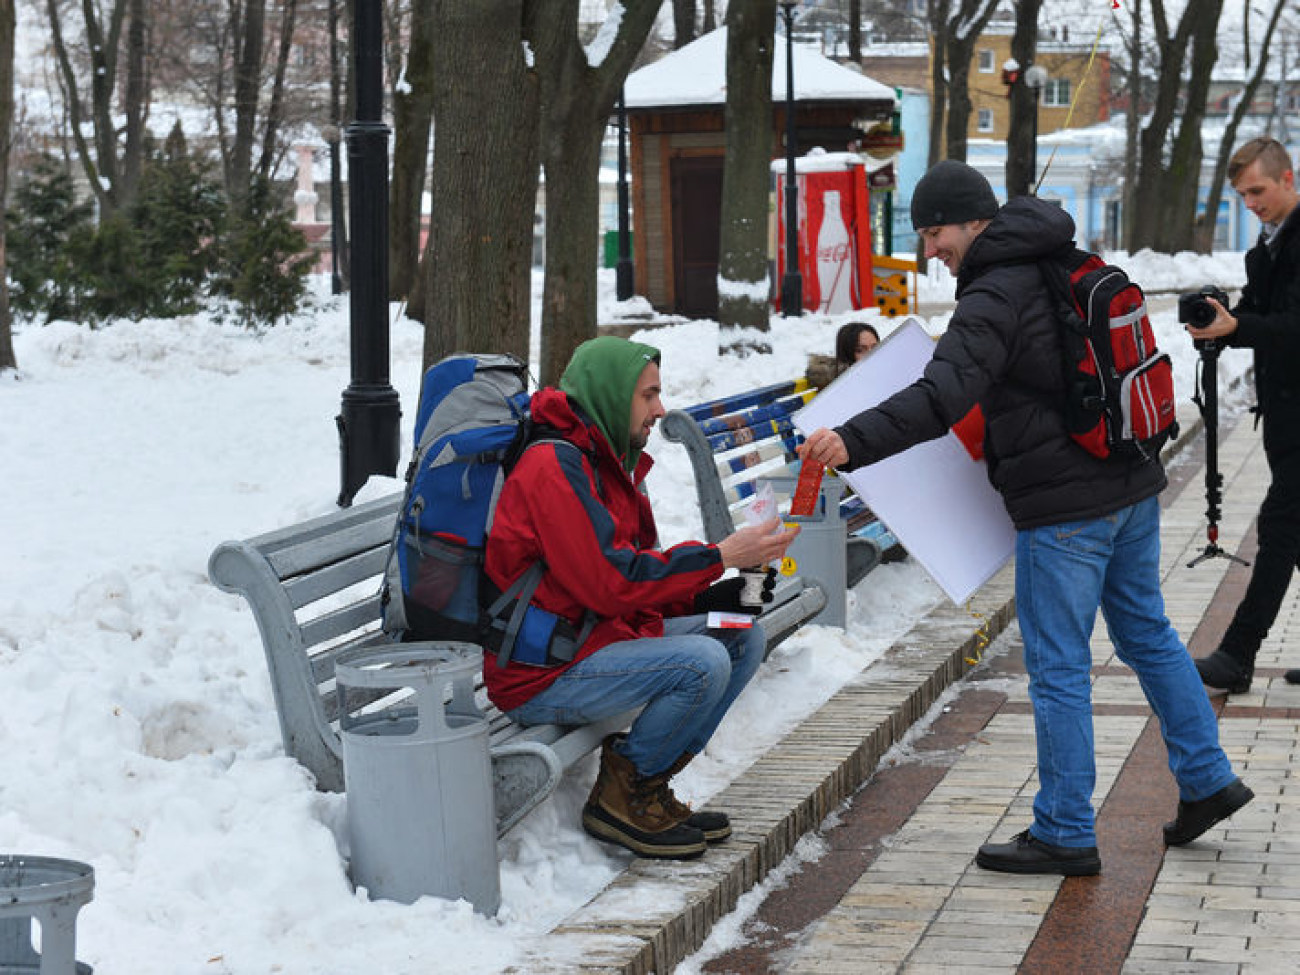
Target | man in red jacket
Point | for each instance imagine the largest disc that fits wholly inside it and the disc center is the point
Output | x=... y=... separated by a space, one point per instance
x=574 y=502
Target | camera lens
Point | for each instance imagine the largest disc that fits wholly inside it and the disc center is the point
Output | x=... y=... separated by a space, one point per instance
x=1200 y=314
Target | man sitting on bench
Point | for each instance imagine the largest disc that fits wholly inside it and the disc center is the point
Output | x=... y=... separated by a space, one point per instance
x=637 y=610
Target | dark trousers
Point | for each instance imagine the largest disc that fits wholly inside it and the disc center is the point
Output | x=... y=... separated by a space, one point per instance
x=1279 y=540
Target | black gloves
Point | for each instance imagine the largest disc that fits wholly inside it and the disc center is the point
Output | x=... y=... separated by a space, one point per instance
x=745 y=593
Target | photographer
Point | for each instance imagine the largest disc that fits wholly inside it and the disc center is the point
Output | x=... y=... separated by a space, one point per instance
x=1266 y=319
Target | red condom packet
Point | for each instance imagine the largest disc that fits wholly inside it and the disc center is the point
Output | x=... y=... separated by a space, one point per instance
x=804 y=502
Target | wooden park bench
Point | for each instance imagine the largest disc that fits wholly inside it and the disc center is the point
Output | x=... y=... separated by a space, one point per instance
x=736 y=442
x=314 y=591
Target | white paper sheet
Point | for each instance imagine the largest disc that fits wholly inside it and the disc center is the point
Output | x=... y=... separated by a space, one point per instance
x=934 y=497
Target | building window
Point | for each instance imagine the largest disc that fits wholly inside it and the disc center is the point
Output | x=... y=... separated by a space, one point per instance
x=986 y=61
x=1056 y=93
x=985 y=123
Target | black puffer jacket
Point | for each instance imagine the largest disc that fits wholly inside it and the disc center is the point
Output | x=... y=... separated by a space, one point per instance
x=1002 y=349
x=1268 y=320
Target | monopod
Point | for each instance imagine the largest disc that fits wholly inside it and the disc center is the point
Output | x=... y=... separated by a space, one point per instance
x=1206 y=399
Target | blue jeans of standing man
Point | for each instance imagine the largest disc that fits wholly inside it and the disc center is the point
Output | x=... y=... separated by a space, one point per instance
x=687 y=679
x=1063 y=574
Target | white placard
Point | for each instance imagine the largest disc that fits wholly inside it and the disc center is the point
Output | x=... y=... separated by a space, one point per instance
x=934 y=497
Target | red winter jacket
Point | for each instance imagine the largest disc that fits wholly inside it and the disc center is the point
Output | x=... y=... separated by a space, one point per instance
x=598 y=546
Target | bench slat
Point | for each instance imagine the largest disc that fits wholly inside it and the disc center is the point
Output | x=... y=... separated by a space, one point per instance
x=320 y=550
x=305 y=589
x=740 y=401
x=332 y=625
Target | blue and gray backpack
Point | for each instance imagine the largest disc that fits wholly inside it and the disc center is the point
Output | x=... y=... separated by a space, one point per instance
x=471 y=426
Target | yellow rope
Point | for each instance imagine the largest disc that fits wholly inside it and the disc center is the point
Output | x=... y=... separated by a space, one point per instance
x=1075 y=100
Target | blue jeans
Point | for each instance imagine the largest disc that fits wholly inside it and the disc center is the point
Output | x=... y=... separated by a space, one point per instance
x=1063 y=573
x=687 y=679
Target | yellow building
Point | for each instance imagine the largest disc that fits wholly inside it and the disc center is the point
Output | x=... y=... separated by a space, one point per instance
x=1065 y=62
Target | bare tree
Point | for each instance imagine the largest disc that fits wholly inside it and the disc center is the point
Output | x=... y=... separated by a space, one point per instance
x=960 y=36
x=579 y=86
x=412 y=123
x=955 y=26
x=1205 y=223
x=1023 y=101
x=475 y=288
x=746 y=174
x=7 y=358
x=112 y=161
x=855 y=31
x=683 y=22
x=1169 y=172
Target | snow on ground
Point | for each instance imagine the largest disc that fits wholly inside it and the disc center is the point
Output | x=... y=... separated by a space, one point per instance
x=138 y=730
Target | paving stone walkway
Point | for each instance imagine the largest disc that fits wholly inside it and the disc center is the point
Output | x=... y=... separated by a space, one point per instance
x=898 y=890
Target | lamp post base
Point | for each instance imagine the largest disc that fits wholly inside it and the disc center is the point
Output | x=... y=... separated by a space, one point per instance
x=792 y=295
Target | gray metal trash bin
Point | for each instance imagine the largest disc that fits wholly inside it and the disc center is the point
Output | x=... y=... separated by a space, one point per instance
x=418 y=774
x=820 y=551
x=52 y=891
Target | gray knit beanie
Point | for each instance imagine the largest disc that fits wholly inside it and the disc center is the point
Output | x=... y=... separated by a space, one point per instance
x=952 y=192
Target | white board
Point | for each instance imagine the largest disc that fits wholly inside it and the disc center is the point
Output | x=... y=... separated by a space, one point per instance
x=934 y=497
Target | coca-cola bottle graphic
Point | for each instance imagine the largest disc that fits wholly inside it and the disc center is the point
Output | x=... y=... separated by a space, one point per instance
x=834 y=274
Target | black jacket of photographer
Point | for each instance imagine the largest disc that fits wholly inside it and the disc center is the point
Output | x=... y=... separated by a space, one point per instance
x=1268 y=321
x=1002 y=350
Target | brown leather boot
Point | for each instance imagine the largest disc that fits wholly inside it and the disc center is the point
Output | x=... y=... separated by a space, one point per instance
x=715 y=825
x=630 y=809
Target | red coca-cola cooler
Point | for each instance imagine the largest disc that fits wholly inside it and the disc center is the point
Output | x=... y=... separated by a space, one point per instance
x=834 y=231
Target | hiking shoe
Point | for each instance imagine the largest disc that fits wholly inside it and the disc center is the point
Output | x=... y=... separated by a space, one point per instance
x=1028 y=854
x=632 y=810
x=1292 y=676
x=1224 y=673
x=1194 y=818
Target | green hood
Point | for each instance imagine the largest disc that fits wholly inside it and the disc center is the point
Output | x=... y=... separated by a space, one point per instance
x=601 y=378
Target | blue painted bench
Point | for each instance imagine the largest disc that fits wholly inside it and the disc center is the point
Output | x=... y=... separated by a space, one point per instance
x=736 y=442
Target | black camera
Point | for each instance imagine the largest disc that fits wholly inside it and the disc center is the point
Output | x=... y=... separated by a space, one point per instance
x=1195 y=311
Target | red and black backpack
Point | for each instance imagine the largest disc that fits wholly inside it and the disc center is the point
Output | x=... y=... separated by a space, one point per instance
x=1119 y=386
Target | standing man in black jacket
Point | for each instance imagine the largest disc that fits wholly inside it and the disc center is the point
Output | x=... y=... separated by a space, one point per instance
x=1267 y=319
x=1087 y=529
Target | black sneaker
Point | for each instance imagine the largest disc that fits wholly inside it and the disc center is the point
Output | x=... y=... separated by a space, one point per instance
x=1224 y=673
x=1194 y=818
x=1027 y=854
x=1292 y=676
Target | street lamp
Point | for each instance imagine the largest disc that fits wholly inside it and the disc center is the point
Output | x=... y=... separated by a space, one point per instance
x=624 y=282
x=792 y=281
x=1035 y=79
x=369 y=423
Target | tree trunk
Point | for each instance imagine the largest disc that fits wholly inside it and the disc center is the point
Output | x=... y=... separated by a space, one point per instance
x=483 y=183
x=747 y=174
x=98 y=157
x=7 y=358
x=577 y=98
x=412 y=121
x=962 y=36
x=338 y=210
x=1023 y=102
x=135 y=101
x=1208 y=219
x=269 y=157
x=247 y=26
x=938 y=12
x=1167 y=192
x=1132 y=145
x=683 y=23
x=855 y=31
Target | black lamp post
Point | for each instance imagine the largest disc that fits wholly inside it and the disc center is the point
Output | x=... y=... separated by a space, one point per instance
x=370 y=422
x=1035 y=79
x=624 y=275
x=792 y=281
